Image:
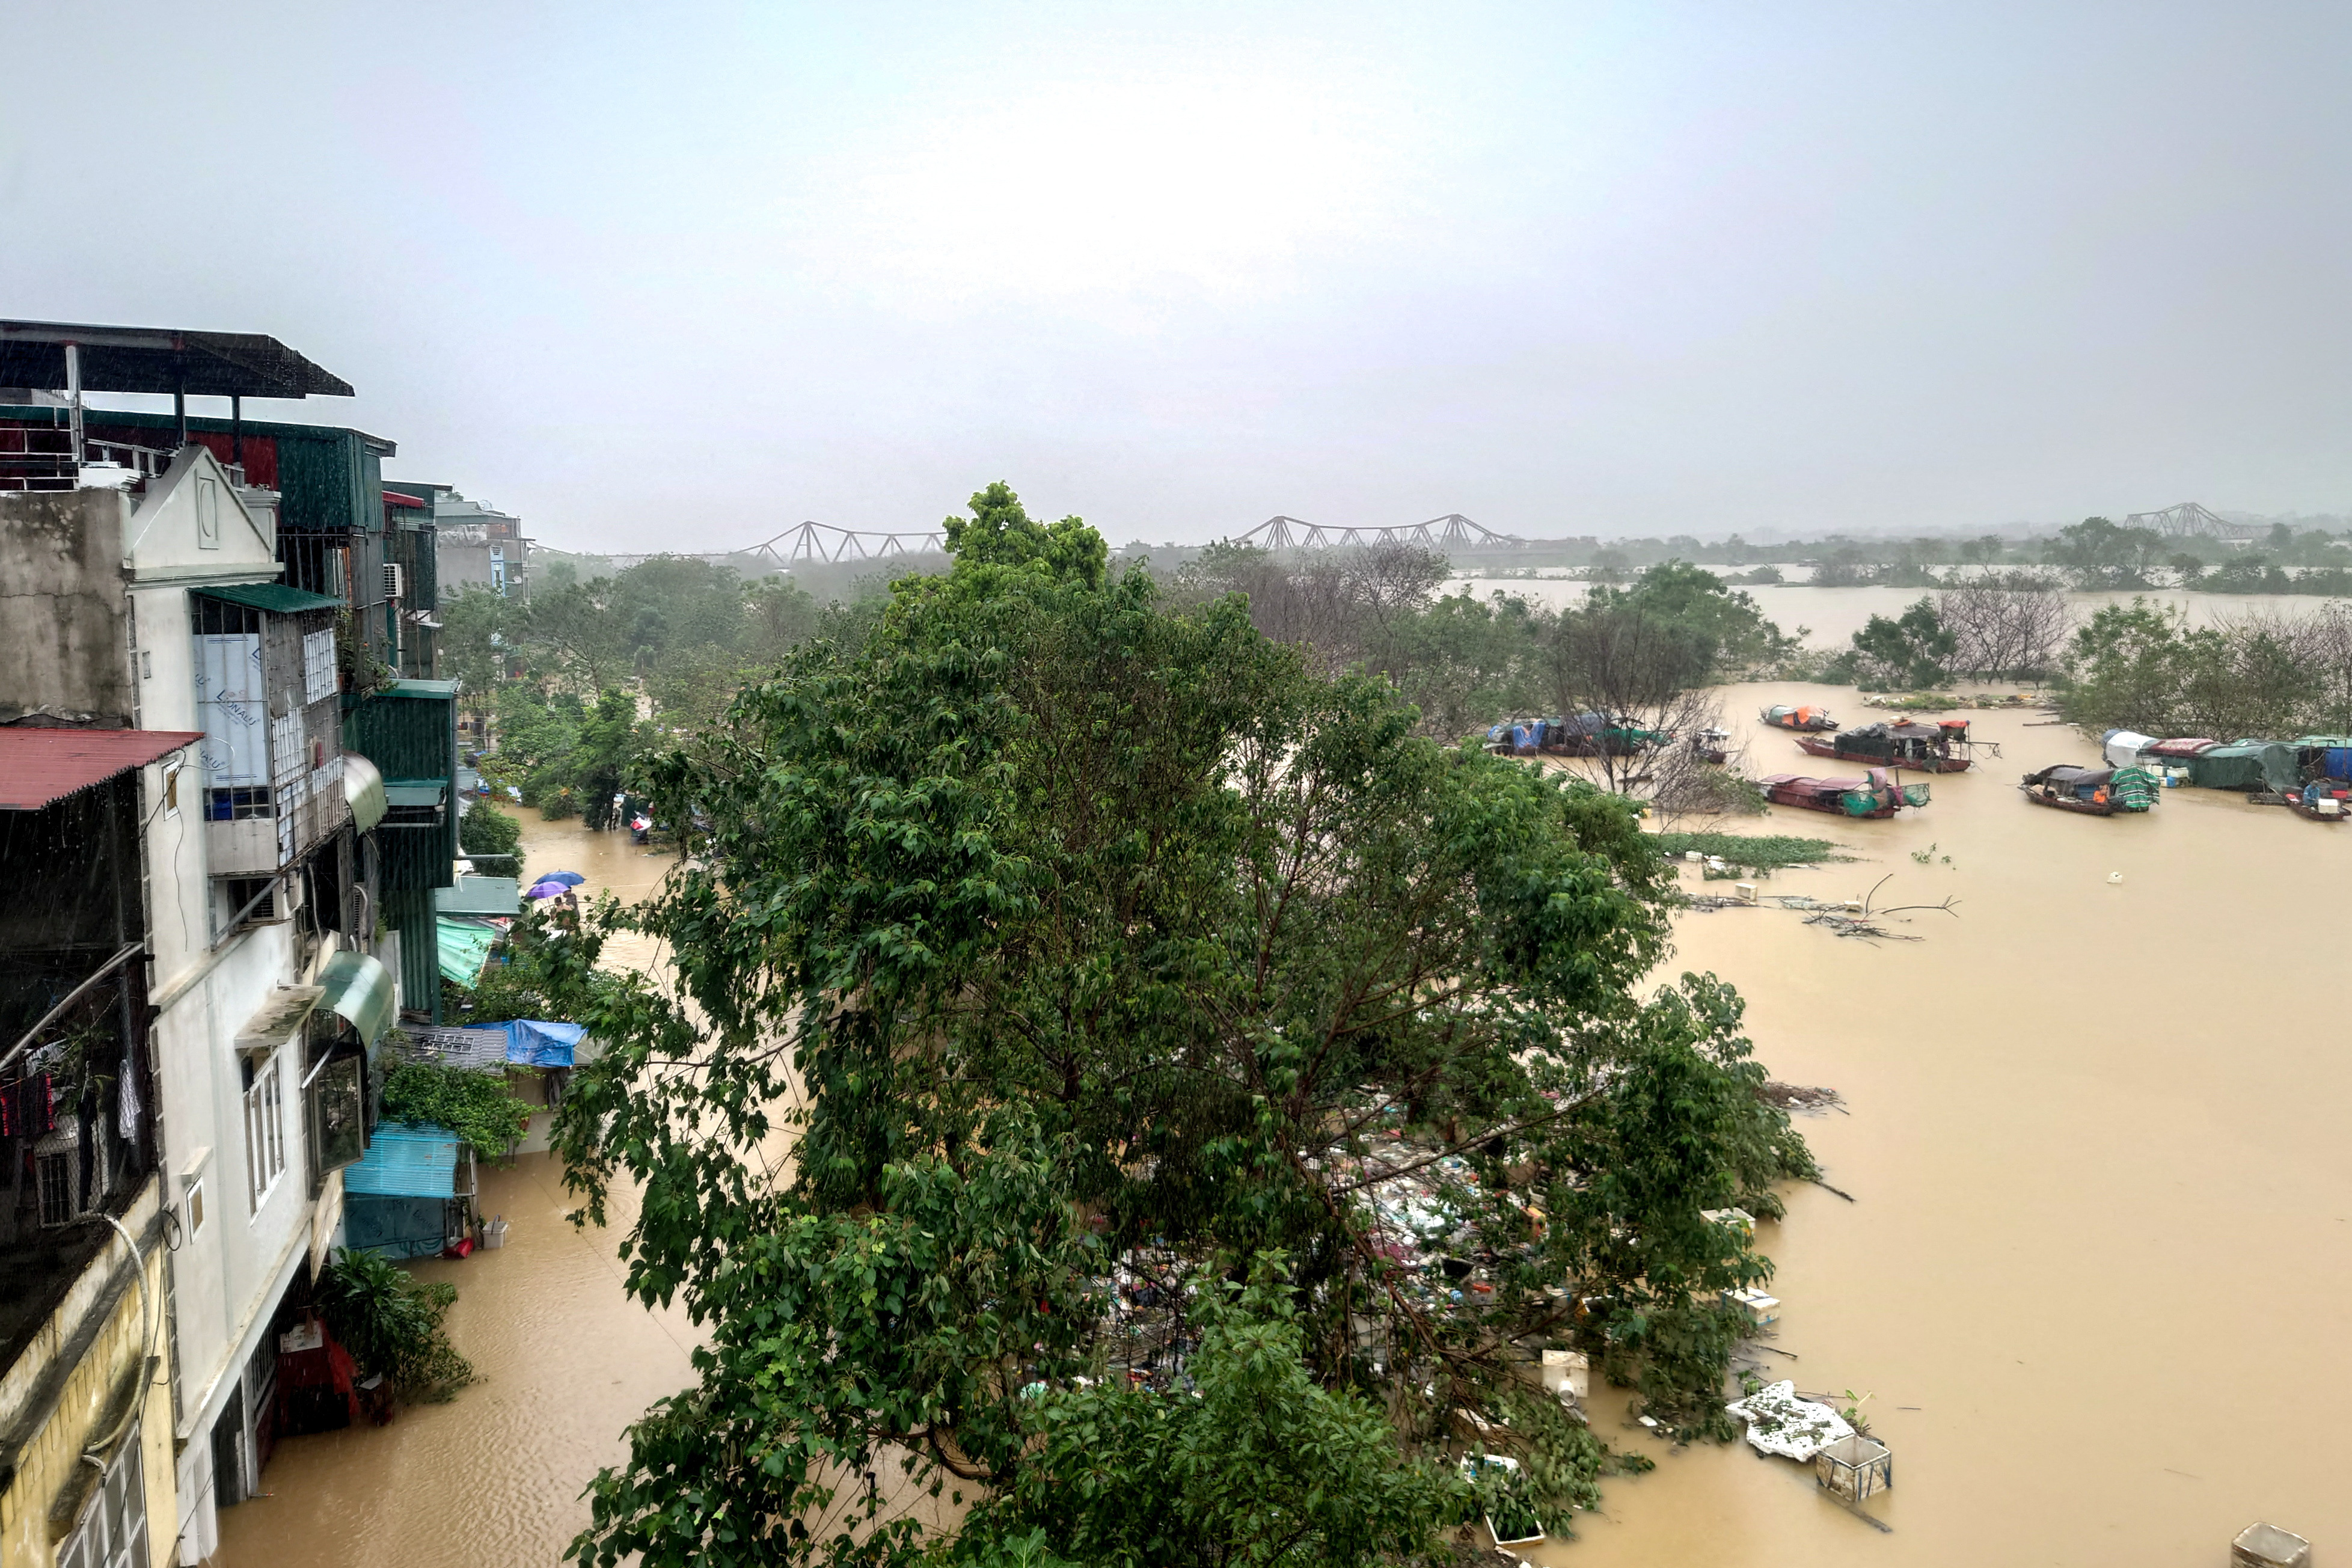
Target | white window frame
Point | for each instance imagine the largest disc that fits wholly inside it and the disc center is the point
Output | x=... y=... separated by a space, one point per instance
x=265 y=1130
x=113 y=1531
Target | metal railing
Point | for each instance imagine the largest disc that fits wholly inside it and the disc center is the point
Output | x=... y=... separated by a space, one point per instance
x=40 y=457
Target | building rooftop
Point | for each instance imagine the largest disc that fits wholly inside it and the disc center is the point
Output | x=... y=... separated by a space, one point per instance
x=38 y=765
x=160 y=359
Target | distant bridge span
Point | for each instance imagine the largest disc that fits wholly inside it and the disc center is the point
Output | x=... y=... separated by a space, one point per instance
x=1291 y=533
x=823 y=541
x=809 y=541
x=2190 y=520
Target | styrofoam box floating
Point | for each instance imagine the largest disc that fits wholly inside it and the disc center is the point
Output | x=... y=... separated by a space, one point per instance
x=1754 y=1304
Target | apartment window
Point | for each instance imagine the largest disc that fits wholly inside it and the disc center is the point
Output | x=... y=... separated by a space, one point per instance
x=318 y=666
x=240 y=804
x=265 y=1132
x=58 y=1178
x=113 y=1533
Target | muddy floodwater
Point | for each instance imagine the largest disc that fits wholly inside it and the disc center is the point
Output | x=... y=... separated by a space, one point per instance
x=2094 y=1276
x=566 y=1362
x=1831 y=615
x=2096 y=1270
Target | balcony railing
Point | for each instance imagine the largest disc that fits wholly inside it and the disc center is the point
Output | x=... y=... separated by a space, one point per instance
x=39 y=457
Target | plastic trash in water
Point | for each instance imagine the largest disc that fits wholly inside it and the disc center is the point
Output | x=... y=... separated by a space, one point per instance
x=2115 y=877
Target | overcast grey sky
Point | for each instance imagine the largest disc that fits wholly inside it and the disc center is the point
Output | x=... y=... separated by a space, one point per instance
x=678 y=277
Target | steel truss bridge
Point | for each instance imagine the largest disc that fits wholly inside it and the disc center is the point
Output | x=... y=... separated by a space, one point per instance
x=2190 y=520
x=1454 y=529
x=823 y=541
x=807 y=541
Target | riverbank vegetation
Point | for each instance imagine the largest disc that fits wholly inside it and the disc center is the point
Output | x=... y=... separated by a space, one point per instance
x=1103 y=956
x=1768 y=851
x=2142 y=666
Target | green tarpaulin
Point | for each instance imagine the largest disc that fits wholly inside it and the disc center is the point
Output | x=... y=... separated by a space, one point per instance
x=464 y=945
x=2245 y=765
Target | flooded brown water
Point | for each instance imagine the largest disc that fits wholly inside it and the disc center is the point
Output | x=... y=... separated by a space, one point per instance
x=1831 y=615
x=2102 y=1238
x=566 y=1360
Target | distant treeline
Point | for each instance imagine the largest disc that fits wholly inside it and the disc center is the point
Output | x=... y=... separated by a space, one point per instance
x=2095 y=553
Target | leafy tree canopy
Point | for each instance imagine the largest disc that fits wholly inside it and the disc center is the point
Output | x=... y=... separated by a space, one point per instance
x=1056 y=931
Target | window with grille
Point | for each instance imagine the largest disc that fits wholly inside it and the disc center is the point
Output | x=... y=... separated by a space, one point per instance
x=113 y=1533
x=57 y=1179
x=318 y=666
x=238 y=804
x=265 y=1132
x=55 y=1176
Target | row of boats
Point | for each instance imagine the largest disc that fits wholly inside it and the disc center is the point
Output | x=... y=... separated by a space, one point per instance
x=2312 y=776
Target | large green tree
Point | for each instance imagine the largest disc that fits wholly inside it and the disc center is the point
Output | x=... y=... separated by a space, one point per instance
x=1055 y=933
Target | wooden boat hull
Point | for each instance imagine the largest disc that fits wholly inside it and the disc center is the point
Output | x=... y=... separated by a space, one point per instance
x=2312 y=814
x=1834 y=797
x=2069 y=803
x=1815 y=746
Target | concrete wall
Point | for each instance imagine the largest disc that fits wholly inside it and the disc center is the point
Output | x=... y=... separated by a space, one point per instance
x=63 y=636
x=104 y=1345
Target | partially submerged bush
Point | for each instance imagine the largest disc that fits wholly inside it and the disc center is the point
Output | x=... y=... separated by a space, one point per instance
x=391 y=1324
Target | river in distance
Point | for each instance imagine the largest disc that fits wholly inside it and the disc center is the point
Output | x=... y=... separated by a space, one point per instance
x=2093 y=1278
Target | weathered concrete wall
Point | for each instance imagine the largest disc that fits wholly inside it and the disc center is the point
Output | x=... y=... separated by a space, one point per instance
x=56 y=1396
x=64 y=635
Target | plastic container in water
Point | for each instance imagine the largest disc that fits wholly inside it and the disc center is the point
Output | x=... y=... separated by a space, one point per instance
x=494 y=1234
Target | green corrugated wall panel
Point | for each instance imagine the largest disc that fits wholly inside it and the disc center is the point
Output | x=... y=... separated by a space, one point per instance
x=410 y=912
x=410 y=733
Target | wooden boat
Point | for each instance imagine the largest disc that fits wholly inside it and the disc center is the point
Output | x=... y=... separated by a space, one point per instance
x=1781 y=716
x=1943 y=747
x=1878 y=795
x=2093 y=791
x=2322 y=800
x=1712 y=745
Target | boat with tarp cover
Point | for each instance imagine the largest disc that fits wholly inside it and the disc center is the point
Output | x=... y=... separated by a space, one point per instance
x=1781 y=716
x=2093 y=791
x=1943 y=747
x=1878 y=795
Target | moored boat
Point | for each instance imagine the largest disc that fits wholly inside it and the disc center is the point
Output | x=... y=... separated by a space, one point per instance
x=1877 y=796
x=1781 y=716
x=2093 y=791
x=1943 y=747
x=2321 y=799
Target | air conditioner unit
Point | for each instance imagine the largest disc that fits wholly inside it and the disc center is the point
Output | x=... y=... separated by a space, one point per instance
x=396 y=580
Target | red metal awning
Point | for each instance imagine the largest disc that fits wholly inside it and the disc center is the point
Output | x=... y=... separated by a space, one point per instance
x=38 y=766
x=394 y=498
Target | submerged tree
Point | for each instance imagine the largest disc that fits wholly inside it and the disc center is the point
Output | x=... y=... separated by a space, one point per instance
x=1054 y=927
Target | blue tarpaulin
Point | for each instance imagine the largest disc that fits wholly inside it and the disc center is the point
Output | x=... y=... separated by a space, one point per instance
x=406 y=1159
x=535 y=1043
x=2339 y=761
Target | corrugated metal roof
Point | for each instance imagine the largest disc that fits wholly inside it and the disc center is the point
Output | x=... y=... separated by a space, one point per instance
x=273 y=596
x=160 y=359
x=406 y=1159
x=479 y=896
x=41 y=765
x=360 y=988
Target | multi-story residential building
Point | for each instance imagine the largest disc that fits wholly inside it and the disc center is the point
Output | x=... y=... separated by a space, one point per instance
x=478 y=546
x=216 y=656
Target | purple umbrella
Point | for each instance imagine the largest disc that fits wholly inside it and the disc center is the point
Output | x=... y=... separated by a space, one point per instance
x=545 y=891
